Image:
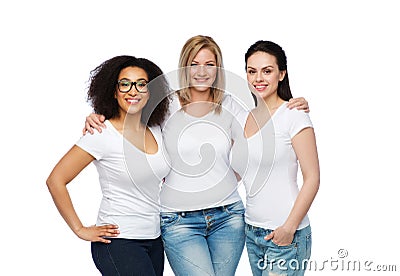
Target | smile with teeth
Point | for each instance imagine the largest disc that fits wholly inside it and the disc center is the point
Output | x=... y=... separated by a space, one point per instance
x=133 y=101
x=201 y=79
x=260 y=87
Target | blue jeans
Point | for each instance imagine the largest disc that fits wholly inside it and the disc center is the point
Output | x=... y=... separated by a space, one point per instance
x=129 y=257
x=204 y=242
x=267 y=258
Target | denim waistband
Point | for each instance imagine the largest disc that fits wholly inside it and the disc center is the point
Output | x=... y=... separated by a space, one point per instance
x=202 y=211
x=300 y=232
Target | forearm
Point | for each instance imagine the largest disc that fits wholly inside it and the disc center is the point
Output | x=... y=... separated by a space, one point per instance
x=63 y=202
x=303 y=203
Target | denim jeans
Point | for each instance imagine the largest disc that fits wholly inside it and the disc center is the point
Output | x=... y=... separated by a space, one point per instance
x=129 y=257
x=269 y=259
x=204 y=242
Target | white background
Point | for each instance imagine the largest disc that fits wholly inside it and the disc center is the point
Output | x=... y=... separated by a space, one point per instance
x=343 y=57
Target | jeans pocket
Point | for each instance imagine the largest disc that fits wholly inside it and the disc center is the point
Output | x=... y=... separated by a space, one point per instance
x=235 y=208
x=169 y=219
x=288 y=246
x=281 y=254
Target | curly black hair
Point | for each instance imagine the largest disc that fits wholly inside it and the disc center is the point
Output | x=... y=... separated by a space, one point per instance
x=103 y=84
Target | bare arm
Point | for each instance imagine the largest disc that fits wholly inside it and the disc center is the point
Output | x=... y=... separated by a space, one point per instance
x=304 y=145
x=73 y=162
x=94 y=121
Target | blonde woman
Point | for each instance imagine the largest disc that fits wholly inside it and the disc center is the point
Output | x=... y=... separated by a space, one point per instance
x=202 y=213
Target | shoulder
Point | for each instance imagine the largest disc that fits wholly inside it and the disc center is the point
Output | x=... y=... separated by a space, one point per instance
x=98 y=136
x=232 y=103
x=294 y=114
x=227 y=99
x=292 y=120
x=100 y=144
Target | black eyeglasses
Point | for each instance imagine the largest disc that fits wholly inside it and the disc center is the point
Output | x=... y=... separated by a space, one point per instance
x=124 y=86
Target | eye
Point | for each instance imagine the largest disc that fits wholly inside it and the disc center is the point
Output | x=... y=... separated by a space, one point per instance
x=210 y=64
x=267 y=71
x=141 y=84
x=193 y=64
x=251 y=72
x=124 y=83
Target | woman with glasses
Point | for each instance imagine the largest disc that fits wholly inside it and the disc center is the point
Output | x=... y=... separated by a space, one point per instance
x=202 y=214
x=129 y=158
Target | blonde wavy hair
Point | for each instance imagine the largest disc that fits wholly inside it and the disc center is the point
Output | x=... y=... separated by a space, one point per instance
x=192 y=46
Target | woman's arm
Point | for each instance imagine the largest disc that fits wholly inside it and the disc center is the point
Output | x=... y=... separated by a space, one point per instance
x=73 y=162
x=304 y=145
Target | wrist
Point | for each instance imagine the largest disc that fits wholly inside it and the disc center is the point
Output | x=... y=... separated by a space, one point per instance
x=290 y=227
x=77 y=229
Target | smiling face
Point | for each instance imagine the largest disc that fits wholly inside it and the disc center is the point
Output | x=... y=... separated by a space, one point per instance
x=203 y=71
x=133 y=101
x=263 y=73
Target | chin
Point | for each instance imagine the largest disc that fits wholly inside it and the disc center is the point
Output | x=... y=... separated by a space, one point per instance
x=201 y=88
x=264 y=94
x=134 y=109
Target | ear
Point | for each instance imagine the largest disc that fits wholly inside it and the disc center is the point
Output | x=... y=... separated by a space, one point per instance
x=282 y=75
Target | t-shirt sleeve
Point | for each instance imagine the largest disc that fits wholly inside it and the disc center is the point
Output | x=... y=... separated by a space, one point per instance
x=299 y=120
x=93 y=144
x=237 y=129
x=239 y=114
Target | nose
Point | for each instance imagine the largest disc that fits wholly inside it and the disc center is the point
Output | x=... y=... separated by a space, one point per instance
x=259 y=76
x=201 y=70
x=133 y=91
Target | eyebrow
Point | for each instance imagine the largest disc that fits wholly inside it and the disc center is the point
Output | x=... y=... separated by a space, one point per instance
x=265 y=67
x=135 y=80
x=208 y=61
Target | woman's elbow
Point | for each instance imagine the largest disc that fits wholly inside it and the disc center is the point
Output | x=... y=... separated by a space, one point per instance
x=53 y=182
x=316 y=181
x=50 y=183
x=313 y=180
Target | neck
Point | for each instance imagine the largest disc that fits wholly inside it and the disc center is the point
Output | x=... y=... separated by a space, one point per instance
x=273 y=102
x=128 y=122
x=261 y=114
x=201 y=104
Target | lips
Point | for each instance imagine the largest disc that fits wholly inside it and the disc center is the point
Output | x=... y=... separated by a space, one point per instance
x=201 y=79
x=133 y=100
x=260 y=87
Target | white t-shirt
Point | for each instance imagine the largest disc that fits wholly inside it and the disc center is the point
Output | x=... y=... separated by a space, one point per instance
x=199 y=147
x=268 y=165
x=130 y=182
